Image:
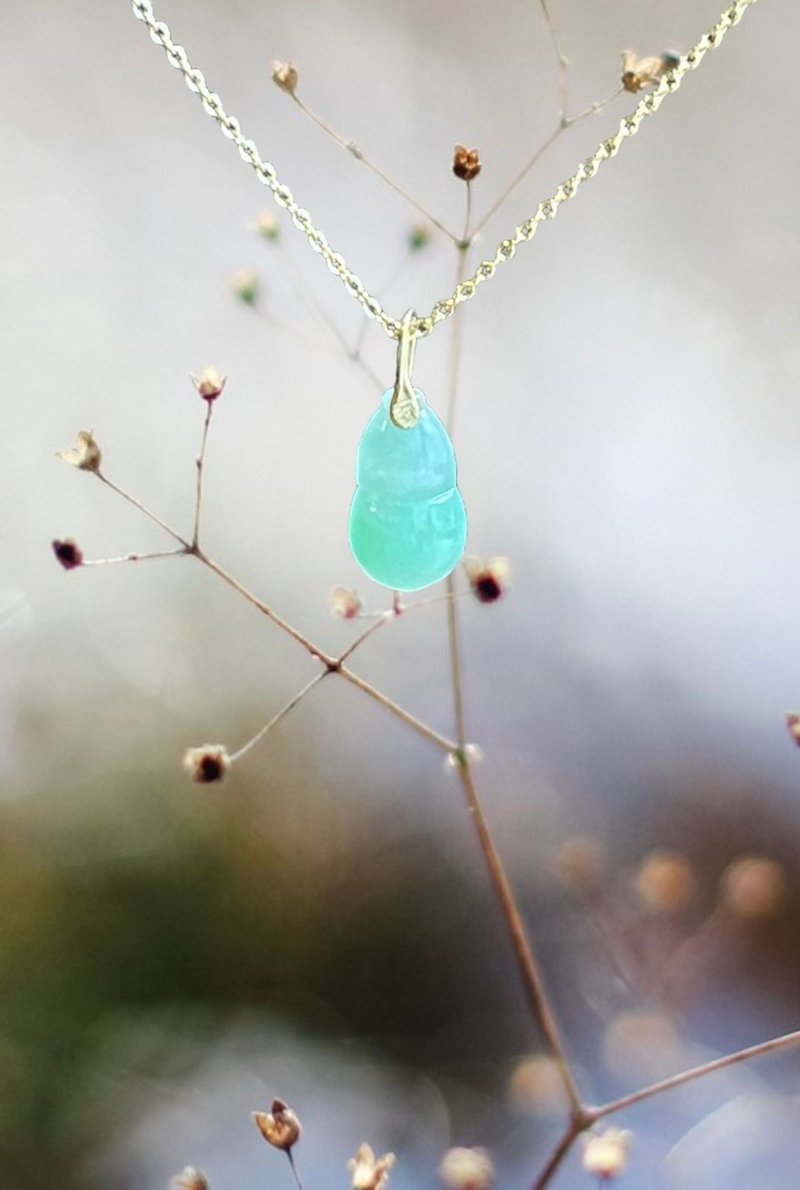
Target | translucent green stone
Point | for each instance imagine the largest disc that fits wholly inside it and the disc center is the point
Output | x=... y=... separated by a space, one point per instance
x=408 y=526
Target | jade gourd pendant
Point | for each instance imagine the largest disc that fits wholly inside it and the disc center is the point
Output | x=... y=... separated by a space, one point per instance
x=408 y=525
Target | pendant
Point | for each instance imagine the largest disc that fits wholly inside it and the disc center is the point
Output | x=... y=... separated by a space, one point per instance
x=408 y=524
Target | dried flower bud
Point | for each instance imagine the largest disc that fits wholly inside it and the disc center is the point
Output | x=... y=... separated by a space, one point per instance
x=189 y=1179
x=580 y=865
x=467 y=1169
x=489 y=579
x=793 y=723
x=466 y=163
x=281 y=1128
x=246 y=284
x=209 y=383
x=85 y=454
x=208 y=763
x=670 y=60
x=68 y=553
x=266 y=225
x=606 y=1153
x=344 y=603
x=368 y=1171
x=419 y=237
x=665 y=882
x=753 y=887
x=284 y=75
x=639 y=73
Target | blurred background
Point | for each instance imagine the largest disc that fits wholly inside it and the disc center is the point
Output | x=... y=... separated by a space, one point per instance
x=320 y=927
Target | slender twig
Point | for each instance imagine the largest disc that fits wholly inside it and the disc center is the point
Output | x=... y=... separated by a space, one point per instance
x=357 y=152
x=275 y=720
x=786 y=1041
x=561 y=1150
x=298 y=1183
x=561 y=57
x=306 y=293
x=143 y=509
x=564 y=122
x=200 y=461
x=179 y=553
x=382 y=618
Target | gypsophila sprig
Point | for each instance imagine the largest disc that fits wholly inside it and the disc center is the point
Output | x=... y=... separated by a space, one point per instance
x=606 y=1153
x=489 y=578
x=638 y=73
x=345 y=603
x=280 y=1128
x=85 y=454
x=246 y=286
x=207 y=764
x=753 y=887
x=467 y=1169
x=189 y=1179
x=793 y=726
x=369 y=1172
x=266 y=225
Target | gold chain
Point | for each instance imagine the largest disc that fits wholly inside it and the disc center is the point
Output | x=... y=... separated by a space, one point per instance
x=548 y=209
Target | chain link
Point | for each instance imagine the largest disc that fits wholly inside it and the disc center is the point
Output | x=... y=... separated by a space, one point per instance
x=547 y=210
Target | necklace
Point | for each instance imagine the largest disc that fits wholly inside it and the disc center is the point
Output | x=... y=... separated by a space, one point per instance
x=407 y=524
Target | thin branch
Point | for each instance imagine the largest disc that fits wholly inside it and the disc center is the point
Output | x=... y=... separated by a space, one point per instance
x=143 y=509
x=556 y=1158
x=307 y=294
x=786 y=1041
x=179 y=553
x=563 y=60
x=355 y=151
x=523 y=951
x=441 y=741
x=563 y=124
x=298 y=1183
x=282 y=713
x=201 y=458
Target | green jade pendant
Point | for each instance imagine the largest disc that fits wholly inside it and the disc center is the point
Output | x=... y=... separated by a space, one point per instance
x=408 y=525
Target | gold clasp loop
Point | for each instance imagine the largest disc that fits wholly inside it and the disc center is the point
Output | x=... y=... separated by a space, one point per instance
x=404 y=407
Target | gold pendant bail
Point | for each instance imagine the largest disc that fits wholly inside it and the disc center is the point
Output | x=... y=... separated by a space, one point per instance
x=404 y=407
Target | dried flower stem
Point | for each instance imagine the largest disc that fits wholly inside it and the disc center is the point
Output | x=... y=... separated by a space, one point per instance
x=551 y=1167
x=290 y=1157
x=144 y=509
x=201 y=458
x=179 y=553
x=786 y=1041
x=306 y=293
x=523 y=951
x=564 y=122
x=282 y=713
x=357 y=152
x=562 y=59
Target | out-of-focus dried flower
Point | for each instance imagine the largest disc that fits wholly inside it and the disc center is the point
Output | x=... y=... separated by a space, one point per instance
x=280 y=1128
x=753 y=887
x=638 y=73
x=419 y=237
x=284 y=75
x=209 y=762
x=606 y=1153
x=466 y=163
x=266 y=225
x=670 y=59
x=209 y=383
x=246 y=284
x=580 y=865
x=793 y=724
x=467 y=1169
x=368 y=1171
x=489 y=578
x=189 y=1179
x=536 y=1086
x=665 y=882
x=68 y=553
x=643 y=1047
x=85 y=454
x=345 y=603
